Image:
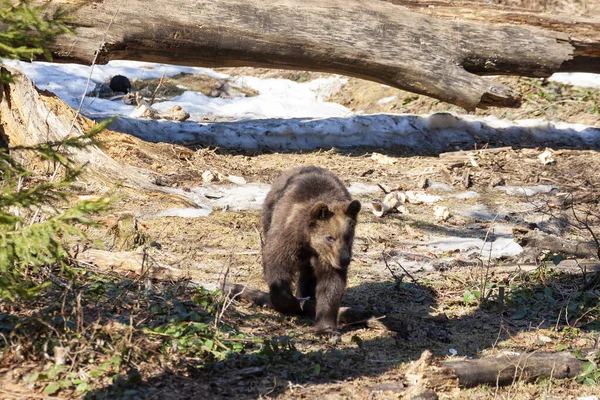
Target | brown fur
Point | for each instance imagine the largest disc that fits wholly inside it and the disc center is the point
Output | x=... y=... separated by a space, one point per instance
x=308 y=221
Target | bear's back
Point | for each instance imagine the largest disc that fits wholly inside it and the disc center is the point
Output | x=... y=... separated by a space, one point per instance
x=294 y=191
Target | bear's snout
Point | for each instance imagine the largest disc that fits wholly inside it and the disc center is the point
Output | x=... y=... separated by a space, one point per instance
x=344 y=261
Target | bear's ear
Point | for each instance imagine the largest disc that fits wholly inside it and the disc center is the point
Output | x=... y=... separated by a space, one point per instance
x=319 y=211
x=353 y=209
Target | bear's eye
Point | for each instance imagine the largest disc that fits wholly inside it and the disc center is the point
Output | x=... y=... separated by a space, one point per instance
x=330 y=239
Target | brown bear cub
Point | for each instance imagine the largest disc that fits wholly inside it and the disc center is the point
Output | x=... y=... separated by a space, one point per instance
x=308 y=220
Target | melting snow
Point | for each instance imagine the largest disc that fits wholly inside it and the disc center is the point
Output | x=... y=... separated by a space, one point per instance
x=577 y=78
x=290 y=115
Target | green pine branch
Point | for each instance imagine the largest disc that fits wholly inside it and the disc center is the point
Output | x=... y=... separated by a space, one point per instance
x=26 y=32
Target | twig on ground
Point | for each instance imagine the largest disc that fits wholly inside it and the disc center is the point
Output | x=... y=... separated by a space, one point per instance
x=406 y=272
x=162 y=79
x=396 y=278
x=260 y=238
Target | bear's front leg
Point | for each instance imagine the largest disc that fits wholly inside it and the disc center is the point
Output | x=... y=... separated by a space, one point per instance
x=279 y=271
x=331 y=284
x=282 y=298
x=306 y=285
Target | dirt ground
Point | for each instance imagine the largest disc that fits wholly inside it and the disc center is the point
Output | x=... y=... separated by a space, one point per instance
x=431 y=295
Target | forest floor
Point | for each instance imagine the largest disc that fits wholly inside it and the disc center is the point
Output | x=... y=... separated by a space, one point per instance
x=136 y=336
x=428 y=273
x=439 y=277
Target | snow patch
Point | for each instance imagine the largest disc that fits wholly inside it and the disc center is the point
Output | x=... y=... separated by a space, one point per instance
x=277 y=98
x=386 y=100
x=499 y=248
x=526 y=190
x=583 y=79
x=469 y=194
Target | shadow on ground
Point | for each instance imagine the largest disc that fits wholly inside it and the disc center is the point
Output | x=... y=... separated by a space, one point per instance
x=437 y=314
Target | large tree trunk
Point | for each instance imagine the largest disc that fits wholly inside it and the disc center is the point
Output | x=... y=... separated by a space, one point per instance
x=376 y=40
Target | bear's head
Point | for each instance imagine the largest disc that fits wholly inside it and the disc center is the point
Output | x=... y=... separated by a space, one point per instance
x=331 y=231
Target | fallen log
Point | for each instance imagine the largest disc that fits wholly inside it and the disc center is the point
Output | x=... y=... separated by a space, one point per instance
x=375 y=40
x=508 y=368
x=536 y=242
x=426 y=376
x=566 y=200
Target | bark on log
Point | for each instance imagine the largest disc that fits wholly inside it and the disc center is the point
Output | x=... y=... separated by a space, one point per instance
x=506 y=369
x=375 y=40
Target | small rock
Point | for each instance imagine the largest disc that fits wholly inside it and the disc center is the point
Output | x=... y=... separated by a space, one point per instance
x=383 y=159
x=544 y=339
x=208 y=176
x=175 y=113
x=442 y=213
x=546 y=157
x=238 y=180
